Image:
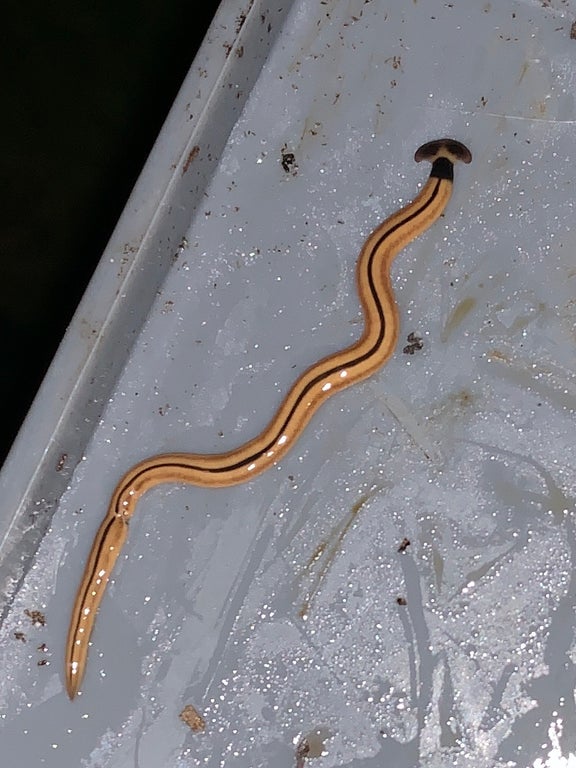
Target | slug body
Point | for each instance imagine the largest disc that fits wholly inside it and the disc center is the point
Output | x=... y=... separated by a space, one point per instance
x=314 y=387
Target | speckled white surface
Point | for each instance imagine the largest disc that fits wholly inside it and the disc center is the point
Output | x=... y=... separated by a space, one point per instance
x=466 y=448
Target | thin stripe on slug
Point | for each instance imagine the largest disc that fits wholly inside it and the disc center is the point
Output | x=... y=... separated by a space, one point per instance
x=312 y=388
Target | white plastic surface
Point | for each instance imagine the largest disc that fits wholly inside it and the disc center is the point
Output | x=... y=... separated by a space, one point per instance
x=466 y=447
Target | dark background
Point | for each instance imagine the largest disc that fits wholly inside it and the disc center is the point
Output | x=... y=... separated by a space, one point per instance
x=86 y=89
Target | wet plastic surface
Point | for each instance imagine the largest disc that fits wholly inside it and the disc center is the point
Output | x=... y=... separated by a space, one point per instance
x=282 y=609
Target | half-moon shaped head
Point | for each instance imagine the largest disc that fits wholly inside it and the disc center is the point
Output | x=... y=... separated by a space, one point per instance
x=450 y=149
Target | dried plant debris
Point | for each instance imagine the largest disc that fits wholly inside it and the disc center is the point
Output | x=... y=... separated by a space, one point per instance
x=414 y=343
x=288 y=161
x=36 y=617
x=401 y=601
x=404 y=544
x=193 y=719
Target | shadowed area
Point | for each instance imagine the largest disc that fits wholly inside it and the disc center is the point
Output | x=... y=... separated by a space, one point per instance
x=86 y=91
